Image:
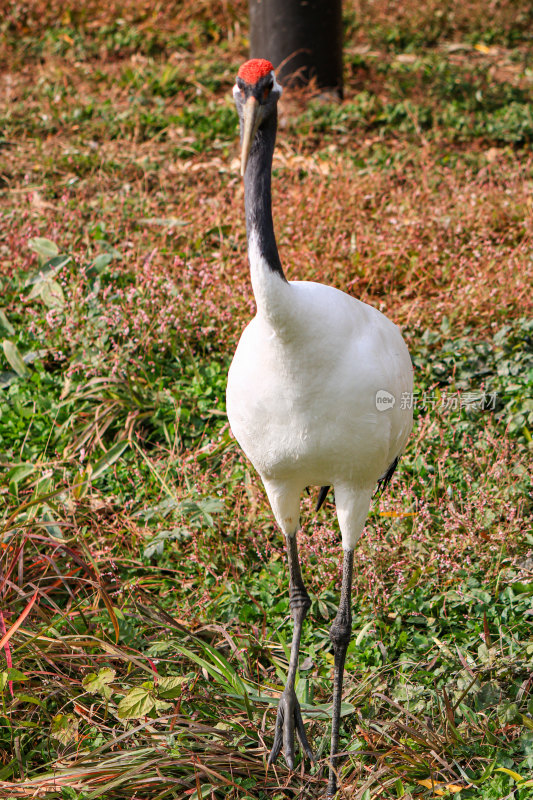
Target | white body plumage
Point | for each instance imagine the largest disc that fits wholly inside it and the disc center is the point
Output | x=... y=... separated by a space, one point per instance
x=301 y=396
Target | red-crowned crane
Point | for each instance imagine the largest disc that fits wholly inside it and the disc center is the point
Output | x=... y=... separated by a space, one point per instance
x=314 y=397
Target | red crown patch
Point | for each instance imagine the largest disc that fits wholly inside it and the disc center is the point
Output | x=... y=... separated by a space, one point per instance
x=255 y=69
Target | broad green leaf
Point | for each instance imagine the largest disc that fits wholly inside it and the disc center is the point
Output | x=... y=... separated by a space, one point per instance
x=444 y=647
x=14 y=358
x=64 y=728
x=162 y=705
x=29 y=698
x=363 y=631
x=139 y=702
x=52 y=294
x=413 y=579
x=43 y=247
x=522 y=588
x=98 y=683
x=325 y=710
x=7 y=378
x=323 y=609
x=18 y=473
x=49 y=291
x=101 y=261
x=5 y=324
x=36 y=289
x=112 y=455
x=15 y=675
x=488 y=696
x=157 y=543
x=53 y=266
x=8 y=770
x=171 y=687
x=107 y=248
x=81 y=483
x=161 y=509
x=200 y=511
x=53 y=529
x=47 y=271
x=34 y=355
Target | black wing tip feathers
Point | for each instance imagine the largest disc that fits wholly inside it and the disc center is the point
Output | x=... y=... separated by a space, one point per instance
x=385 y=479
x=383 y=482
x=321 y=498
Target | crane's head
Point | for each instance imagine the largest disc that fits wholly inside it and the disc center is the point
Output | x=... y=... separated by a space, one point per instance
x=256 y=94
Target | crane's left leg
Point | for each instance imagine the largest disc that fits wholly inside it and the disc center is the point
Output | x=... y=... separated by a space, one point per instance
x=340 y=636
x=289 y=718
x=352 y=510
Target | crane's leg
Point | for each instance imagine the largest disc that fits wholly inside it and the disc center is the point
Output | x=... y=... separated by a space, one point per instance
x=340 y=636
x=289 y=717
x=352 y=511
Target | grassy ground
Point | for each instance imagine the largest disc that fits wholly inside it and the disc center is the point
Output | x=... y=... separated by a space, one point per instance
x=144 y=624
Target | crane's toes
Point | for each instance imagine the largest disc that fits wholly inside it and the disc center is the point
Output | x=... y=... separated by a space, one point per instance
x=300 y=730
x=288 y=720
x=278 y=736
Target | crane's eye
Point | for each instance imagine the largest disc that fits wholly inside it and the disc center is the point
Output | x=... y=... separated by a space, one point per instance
x=266 y=91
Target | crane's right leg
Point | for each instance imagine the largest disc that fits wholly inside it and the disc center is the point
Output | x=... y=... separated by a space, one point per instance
x=340 y=636
x=289 y=716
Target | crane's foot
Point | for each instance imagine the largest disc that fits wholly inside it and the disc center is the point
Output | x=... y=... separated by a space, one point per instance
x=288 y=720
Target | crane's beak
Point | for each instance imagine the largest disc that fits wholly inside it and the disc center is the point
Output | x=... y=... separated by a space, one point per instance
x=252 y=120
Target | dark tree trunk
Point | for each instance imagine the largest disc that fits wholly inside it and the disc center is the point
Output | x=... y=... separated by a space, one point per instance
x=303 y=37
